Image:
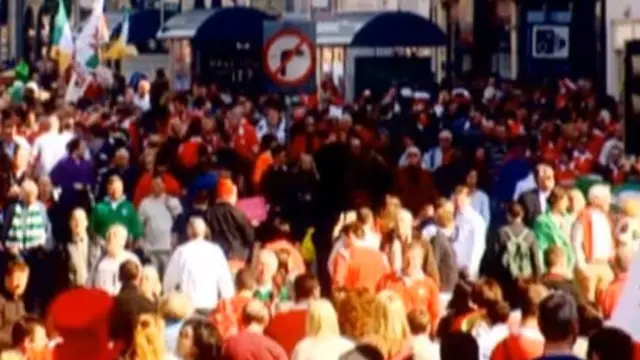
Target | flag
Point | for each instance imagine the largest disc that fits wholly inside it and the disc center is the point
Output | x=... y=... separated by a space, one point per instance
x=61 y=38
x=120 y=48
x=91 y=38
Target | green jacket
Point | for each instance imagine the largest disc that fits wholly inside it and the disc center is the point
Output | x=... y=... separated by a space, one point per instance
x=548 y=233
x=105 y=214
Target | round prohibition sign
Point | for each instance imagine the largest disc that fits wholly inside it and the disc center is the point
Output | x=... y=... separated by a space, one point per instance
x=289 y=57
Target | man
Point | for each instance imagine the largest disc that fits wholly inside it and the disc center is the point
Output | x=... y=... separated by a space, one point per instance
x=273 y=123
x=129 y=303
x=610 y=344
x=358 y=265
x=251 y=343
x=75 y=177
x=469 y=238
x=50 y=147
x=157 y=213
x=120 y=166
x=115 y=209
x=277 y=181
x=11 y=305
x=609 y=296
x=414 y=185
x=593 y=241
x=556 y=278
x=440 y=155
x=81 y=253
x=26 y=234
x=230 y=227
x=105 y=274
x=558 y=321
x=534 y=201
x=199 y=269
x=288 y=327
x=11 y=141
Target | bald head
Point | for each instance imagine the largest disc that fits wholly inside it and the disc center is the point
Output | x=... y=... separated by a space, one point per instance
x=197 y=228
x=29 y=191
x=255 y=313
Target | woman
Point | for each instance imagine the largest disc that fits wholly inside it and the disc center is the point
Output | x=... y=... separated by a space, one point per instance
x=459 y=311
x=416 y=289
x=391 y=333
x=490 y=326
x=323 y=339
x=175 y=309
x=148 y=339
x=554 y=227
x=198 y=340
x=355 y=312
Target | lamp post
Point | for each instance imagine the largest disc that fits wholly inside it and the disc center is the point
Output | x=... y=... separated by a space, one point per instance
x=448 y=5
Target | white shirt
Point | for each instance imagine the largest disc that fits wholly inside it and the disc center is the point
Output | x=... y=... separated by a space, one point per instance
x=48 y=149
x=524 y=185
x=469 y=240
x=543 y=200
x=280 y=132
x=601 y=239
x=157 y=214
x=199 y=269
x=321 y=348
x=142 y=102
x=489 y=337
x=480 y=203
x=105 y=275
x=424 y=349
x=432 y=160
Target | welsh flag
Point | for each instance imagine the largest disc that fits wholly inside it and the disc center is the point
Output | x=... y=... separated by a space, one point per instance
x=61 y=39
x=91 y=38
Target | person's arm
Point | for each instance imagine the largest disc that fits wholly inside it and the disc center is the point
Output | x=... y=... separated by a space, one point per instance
x=171 y=279
x=226 y=288
x=340 y=270
x=135 y=226
x=577 y=234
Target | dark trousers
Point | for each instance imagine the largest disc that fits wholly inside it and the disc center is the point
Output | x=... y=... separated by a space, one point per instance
x=39 y=285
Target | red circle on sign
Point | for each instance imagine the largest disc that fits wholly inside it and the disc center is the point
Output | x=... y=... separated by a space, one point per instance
x=305 y=41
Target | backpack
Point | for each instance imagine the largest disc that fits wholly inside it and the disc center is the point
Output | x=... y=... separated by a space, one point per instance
x=517 y=255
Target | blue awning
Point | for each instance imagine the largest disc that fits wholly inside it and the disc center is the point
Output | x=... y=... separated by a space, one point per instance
x=399 y=29
x=339 y=28
x=143 y=26
x=237 y=24
x=184 y=25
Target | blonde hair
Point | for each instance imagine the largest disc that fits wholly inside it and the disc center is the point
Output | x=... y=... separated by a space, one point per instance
x=322 y=319
x=175 y=306
x=391 y=330
x=631 y=208
x=148 y=338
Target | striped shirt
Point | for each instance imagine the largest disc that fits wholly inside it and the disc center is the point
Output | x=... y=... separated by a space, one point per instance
x=28 y=226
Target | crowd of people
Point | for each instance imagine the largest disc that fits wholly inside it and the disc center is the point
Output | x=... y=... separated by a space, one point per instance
x=400 y=226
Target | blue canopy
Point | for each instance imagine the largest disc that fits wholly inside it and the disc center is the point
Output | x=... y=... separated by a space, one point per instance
x=143 y=27
x=399 y=29
x=237 y=24
x=184 y=25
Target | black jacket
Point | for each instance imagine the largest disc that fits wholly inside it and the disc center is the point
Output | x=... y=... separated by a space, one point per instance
x=231 y=229
x=530 y=202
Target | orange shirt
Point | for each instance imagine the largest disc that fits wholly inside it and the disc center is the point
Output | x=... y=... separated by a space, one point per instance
x=527 y=344
x=227 y=316
x=359 y=267
x=416 y=293
x=264 y=160
x=143 y=188
x=608 y=298
x=287 y=328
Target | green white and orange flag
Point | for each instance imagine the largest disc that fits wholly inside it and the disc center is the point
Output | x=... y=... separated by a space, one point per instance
x=61 y=38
